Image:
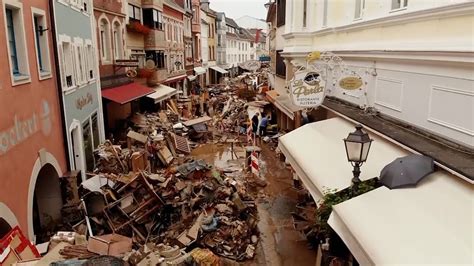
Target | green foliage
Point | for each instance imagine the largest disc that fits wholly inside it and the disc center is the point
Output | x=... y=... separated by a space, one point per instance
x=333 y=197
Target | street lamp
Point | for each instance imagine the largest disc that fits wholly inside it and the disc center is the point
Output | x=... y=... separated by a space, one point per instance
x=357 y=146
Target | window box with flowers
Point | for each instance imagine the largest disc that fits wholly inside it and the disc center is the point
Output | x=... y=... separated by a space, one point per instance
x=137 y=27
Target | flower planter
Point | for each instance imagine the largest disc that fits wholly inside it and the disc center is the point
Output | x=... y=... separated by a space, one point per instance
x=137 y=27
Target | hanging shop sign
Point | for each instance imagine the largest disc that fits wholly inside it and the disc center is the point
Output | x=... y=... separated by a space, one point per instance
x=351 y=83
x=251 y=65
x=307 y=89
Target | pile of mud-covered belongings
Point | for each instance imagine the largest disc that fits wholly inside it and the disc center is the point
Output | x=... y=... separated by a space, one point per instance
x=177 y=214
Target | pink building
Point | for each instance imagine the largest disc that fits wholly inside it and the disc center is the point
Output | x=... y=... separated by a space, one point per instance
x=32 y=153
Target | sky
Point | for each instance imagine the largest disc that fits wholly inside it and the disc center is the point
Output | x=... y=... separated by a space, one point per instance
x=239 y=8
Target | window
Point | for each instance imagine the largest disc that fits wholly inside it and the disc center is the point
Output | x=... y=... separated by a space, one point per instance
x=16 y=44
x=398 y=4
x=281 y=12
x=134 y=13
x=88 y=145
x=158 y=19
x=12 y=42
x=280 y=64
x=95 y=130
x=41 y=44
x=325 y=13
x=67 y=68
x=305 y=6
x=153 y=18
x=158 y=57
x=359 y=8
x=118 y=50
x=104 y=30
x=90 y=64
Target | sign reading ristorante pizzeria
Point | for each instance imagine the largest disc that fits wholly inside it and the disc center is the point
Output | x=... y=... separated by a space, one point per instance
x=307 y=89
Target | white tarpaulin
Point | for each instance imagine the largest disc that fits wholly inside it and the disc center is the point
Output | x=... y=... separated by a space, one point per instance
x=161 y=93
x=316 y=152
x=432 y=224
x=219 y=69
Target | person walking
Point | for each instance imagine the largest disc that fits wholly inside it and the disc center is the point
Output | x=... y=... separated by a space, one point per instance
x=263 y=125
x=255 y=121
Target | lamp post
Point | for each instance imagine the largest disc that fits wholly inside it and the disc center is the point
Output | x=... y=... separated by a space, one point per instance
x=357 y=146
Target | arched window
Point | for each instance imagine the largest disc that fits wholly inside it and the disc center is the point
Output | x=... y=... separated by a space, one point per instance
x=104 y=32
x=118 y=47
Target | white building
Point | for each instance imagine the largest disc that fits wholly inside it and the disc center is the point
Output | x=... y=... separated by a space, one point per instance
x=414 y=94
x=414 y=56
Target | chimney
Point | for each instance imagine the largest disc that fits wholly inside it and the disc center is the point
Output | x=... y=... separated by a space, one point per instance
x=205 y=5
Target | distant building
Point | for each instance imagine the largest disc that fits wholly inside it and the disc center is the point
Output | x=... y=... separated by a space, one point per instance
x=188 y=44
x=174 y=53
x=199 y=71
x=222 y=60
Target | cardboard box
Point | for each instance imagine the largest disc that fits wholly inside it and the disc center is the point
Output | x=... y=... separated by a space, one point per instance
x=113 y=244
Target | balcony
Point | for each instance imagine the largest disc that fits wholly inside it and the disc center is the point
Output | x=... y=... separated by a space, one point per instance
x=196 y=28
x=152 y=3
x=155 y=40
x=158 y=77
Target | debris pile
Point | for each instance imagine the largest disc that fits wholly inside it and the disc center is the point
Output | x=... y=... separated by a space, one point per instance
x=148 y=202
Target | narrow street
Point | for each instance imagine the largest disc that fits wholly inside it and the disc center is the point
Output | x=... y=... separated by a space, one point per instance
x=280 y=243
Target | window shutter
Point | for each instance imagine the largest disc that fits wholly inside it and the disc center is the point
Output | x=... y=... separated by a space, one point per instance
x=74 y=65
x=62 y=72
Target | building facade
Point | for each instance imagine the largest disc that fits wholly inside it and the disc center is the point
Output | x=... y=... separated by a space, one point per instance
x=199 y=71
x=403 y=71
x=188 y=44
x=32 y=153
x=110 y=20
x=79 y=81
x=221 y=40
x=412 y=56
x=175 y=52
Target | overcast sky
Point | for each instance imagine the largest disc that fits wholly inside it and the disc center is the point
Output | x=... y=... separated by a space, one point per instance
x=239 y=8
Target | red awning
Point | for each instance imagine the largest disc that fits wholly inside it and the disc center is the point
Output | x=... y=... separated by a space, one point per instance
x=126 y=93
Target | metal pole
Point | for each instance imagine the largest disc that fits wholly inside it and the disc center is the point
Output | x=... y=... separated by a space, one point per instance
x=356 y=172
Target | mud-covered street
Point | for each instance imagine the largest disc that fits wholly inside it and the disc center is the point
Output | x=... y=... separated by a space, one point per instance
x=280 y=243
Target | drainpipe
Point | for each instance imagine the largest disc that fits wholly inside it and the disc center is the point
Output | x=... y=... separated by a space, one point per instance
x=52 y=23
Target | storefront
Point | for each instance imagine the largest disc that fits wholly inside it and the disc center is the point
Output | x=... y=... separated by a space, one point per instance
x=288 y=114
x=200 y=74
x=161 y=94
x=216 y=74
x=84 y=123
x=122 y=101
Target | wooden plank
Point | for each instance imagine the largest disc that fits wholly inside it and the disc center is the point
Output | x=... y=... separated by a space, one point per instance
x=197 y=121
x=137 y=136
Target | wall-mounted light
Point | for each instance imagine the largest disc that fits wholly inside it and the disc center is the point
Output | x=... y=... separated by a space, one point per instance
x=41 y=30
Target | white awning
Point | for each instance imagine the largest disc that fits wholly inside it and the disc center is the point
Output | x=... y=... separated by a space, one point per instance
x=199 y=70
x=316 y=152
x=219 y=69
x=191 y=77
x=162 y=93
x=427 y=225
x=283 y=103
